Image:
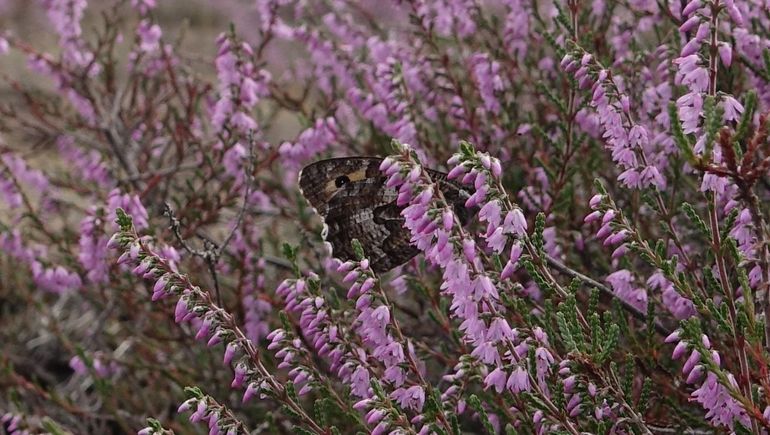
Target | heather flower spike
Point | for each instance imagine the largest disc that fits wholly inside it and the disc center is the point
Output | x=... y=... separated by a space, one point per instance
x=392 y=218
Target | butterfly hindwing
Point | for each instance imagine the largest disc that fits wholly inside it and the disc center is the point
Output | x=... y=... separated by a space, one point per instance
x=351 y=196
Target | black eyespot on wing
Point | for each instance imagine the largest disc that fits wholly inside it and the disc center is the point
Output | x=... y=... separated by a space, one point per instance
x=341 y=180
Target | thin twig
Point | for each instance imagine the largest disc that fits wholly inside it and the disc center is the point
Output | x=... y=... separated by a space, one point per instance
x=212 y=252
x=563 y=268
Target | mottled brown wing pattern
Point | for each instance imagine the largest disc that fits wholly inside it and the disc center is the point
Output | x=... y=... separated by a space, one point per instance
x=350 y=195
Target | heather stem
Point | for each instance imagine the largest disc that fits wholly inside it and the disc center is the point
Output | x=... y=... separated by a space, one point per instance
x=714 y=223
x=761 y=229
x=730 y=296
x=412 y=363
x=552 y=408
x=240 y=338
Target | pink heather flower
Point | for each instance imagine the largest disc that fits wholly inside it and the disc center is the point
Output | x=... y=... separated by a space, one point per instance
x=733 y=109
x=515 y=222
x=622 y=283
x=691 y=73
x=691 y=7
x=620 y=251
x=132 y=206
x=477 y=197
x=678 y=305
x=734 y=12
x=55 y=279
x=544 y=360
x=496 y=379
x=573 y=405
x=608 y=216
x=679 y=350
x=690 y=24
x=693 y=359
x=616 y=238
x=722 y=409
x=149 y=36
x=674 y=336
x=486 y=74
x=143 y=6
x=457 y=171
x=518 y=381
x=490 y=213
x=509 y=269
x=725 y=54
x=595 y=201
x=310 y=142
x=593 y=216
x=410 y=398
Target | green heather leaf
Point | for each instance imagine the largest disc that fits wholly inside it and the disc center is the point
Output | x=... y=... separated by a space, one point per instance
x=377 y=388
x=321 y=412
x=749 y=106
x=510 y=430
x=291 y=392
x=682 y=142
x=552 y=97
x=123 y=220
x=475 y=403
x=290 y=412
x=713 y=122
x=537 y=236
x=597 y=334
x=610 y=342
x=302 y=431
x=729 y=223
x=396 y=147
x=53 y=428
x=593 y=301
x=435 y=428
x=628 y=377
x=645 y=395
x=741 y=429
x=358 y=249
x=566 y=333
x=689 y=210
x=290 y=252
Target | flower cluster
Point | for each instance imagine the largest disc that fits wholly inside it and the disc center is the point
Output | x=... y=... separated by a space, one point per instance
x=579 y=217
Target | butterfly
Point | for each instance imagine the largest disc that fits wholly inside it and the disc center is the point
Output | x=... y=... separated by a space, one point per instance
x=351 y=196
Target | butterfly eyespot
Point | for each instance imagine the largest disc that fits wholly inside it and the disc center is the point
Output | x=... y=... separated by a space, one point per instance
x=341 y=180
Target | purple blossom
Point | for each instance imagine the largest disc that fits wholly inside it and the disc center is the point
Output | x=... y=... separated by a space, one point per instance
x=93 y=247
x=623 y=285
x=149 y=36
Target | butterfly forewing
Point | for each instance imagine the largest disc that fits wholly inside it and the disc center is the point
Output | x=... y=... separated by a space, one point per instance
x=351 y=196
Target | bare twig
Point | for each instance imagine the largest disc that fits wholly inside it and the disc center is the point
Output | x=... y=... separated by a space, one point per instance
x=563 y=268
x=212 y=252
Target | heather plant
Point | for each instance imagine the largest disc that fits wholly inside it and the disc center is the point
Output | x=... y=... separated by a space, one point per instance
x=161 y=272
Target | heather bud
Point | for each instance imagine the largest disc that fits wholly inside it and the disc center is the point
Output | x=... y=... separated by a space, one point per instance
x=691 y=7
x=497 y=169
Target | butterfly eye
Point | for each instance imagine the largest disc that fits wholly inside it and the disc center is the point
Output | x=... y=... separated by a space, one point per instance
x=341 y=180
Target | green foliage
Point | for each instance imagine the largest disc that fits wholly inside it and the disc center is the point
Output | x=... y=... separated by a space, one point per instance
x=123 y=220
x=475 y=404
x=744 y=125
x=713 y=122
x=690 y=212
x=358 y=249
x=680 y=139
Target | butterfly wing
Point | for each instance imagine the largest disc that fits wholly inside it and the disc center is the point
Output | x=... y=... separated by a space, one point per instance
x=351 y=196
